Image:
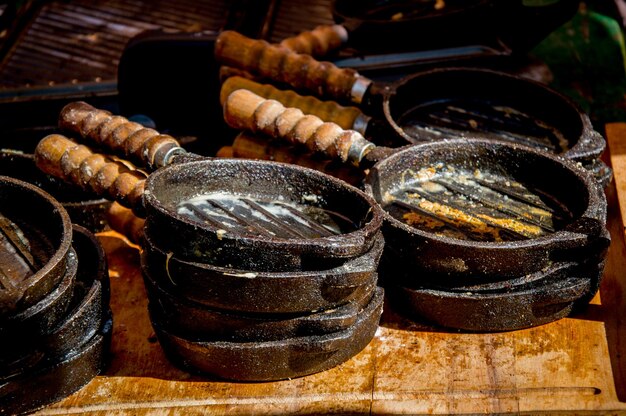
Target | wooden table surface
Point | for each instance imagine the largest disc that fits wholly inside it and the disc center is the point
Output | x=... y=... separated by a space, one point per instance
x=575 y=364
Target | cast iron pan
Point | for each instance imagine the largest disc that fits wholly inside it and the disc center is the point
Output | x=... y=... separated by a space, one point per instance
x=507 y=25
x=194 y=320
x=516 y=303
x=84 y=209
x=233 y=213
x=460 y=207
x=40 y=386
x=40 y=318
x=262 y=292
x=35 y=239
x=77 y=325
x=272 y=360
x=432 y=104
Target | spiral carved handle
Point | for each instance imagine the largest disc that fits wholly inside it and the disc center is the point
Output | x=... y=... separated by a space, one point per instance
x=247 y=145
x=122 y=220
x=62 y=158
x=317 y=42
x=280 y=64
x=245 y=110
x=345 y=117
x=144 y=146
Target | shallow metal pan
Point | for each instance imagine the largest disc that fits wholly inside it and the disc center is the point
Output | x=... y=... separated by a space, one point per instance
x=262 y=292
x=35 y=242
x=84 y=316
x=195 y=320
x=272 y=360
x=172 y=193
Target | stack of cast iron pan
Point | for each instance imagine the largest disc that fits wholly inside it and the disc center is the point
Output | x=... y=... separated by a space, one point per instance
x=55 y=322
x=254 y=270
x=440 y=263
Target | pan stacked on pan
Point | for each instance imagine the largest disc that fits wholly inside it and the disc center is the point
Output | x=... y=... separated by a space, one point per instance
x=254 y=270
x=476 y=237
x=55 y=322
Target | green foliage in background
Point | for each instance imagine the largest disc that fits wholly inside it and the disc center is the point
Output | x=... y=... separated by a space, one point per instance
x=587 y=58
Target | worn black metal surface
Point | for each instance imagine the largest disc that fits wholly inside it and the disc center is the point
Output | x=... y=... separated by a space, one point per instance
x=262 y=292
x=176 y=228
x=272 y=360
x=34 y=243
x=516 y=303
x=40 y=386
x=545 y=300
x=473 y=102
x=193 y=320
x=40 y=318
x=39 y=333
x=413 y=174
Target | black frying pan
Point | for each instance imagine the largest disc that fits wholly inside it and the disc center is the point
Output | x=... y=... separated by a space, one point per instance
x=473 y=208
x=35 y=242
x=271 y=360
x=233 y=213
x=432 y=104
x=50 y=332
x=250 y=291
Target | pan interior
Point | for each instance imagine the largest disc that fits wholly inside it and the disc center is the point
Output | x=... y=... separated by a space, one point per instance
x=490 y=118
x=260 y=199
x=475 y=103
x=247 y=215
x=480 y=193
x=30 y=232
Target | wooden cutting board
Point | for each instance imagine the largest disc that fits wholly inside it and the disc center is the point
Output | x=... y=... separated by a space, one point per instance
x=577 y=364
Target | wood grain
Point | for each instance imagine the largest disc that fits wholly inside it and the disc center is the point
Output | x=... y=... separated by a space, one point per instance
x=345 y=117
x=572 y=366
x=280 y=64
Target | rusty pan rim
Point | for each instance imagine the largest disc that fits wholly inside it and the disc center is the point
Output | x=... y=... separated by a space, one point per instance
x=54 y=268
x=342 y=245
x=588 y=146
x=595 y=201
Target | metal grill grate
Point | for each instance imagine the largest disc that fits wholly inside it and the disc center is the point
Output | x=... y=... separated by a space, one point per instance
x=454 y=116
x=81 y=41
x=474 y=205
x=247 y=216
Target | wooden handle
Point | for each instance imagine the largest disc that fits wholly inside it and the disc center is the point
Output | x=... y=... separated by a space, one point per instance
x=317 y=42
x=144 y=146
x=345 y=117
x=245 y=110
x=122 y=220
x=58 y=156
x=299 y=71
x=249 y=146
